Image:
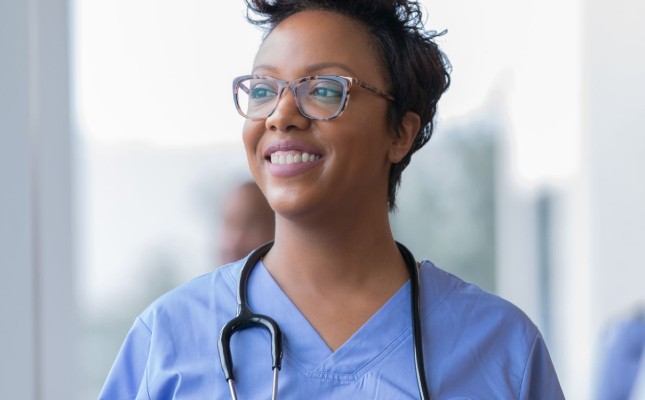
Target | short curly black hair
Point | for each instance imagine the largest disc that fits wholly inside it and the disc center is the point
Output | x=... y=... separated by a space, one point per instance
x=418 y=71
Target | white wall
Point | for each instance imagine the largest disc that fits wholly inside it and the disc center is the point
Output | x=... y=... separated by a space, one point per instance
x=36 y=290
x=17 y=372
x=576 y=132
x=615 y=121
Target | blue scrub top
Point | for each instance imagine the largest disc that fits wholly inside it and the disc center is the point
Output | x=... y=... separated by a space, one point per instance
x=476 y=346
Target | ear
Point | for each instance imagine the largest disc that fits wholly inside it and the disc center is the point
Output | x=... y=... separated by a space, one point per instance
x=404 y=137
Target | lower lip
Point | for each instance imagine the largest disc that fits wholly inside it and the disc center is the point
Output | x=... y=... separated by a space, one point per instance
x=287 y=170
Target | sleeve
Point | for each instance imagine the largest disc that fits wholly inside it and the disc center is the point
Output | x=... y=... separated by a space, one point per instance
x=126 y=377
x=540 y=380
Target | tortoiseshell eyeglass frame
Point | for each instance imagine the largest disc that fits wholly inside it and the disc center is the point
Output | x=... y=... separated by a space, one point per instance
x=346 y=81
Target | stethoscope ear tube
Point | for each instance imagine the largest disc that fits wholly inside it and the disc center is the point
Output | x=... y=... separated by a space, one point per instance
x=411 y=263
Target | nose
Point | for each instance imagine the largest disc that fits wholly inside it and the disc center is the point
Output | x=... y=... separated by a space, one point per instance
x=286 y=116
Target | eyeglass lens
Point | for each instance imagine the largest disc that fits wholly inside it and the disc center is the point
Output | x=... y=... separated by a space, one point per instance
x=318 y=98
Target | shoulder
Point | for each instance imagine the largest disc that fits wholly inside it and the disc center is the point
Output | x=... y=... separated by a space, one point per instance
x=470 y=303
x=185 y=318
x=486 y=336
x=203 y=295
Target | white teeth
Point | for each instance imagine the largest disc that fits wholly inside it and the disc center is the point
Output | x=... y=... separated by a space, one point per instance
x=292 y=158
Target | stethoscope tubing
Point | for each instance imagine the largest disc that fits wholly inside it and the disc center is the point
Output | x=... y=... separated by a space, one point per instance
x=245 y=319
x=415 y=298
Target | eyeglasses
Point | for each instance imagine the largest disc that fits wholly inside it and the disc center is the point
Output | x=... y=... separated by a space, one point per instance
x=321 y=97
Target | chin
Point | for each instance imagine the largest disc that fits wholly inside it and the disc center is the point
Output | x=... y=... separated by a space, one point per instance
x=293 y=206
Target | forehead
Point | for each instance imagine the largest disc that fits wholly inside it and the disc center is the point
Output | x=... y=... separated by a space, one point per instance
x=308 y=40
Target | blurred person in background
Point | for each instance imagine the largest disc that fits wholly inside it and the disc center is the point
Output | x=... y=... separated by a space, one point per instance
x=638 y=389
x=622 y=352
x=247 y=222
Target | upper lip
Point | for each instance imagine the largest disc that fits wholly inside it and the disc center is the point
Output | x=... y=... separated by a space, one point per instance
x=291 y=145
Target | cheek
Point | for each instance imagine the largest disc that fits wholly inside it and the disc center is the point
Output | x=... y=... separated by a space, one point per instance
x=251 y=136
x=374 y=134
x=371 y=113
x=249 y=132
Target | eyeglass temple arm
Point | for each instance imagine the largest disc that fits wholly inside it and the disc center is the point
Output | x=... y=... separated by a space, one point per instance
x=374 y=89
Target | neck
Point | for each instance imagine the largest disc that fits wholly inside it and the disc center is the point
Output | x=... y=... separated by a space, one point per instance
x=344 y=254
x=338 y=273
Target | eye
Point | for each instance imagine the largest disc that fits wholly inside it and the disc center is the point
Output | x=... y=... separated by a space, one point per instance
x=326 y=91
x=262 y=91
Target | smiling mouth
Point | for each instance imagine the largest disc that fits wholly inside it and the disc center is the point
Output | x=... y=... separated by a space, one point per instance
x=292 y=157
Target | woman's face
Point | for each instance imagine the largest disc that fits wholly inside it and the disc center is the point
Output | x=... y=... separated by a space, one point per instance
x=352 y=152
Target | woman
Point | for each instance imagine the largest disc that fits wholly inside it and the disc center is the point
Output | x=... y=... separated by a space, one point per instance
x=335 y=280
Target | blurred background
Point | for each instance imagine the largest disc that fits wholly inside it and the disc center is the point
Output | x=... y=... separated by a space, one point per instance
x=119 y=143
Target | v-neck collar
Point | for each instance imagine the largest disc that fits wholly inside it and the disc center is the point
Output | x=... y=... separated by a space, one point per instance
x=371 y=342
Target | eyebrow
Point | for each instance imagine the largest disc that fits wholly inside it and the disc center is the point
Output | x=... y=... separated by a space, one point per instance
x=312 y=69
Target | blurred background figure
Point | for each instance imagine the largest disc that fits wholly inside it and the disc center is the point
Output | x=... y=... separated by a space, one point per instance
x=638 y=389
x=247 y=222
x=622 y=356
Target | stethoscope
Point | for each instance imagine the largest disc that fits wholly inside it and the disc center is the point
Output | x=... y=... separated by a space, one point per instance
x=246 y=318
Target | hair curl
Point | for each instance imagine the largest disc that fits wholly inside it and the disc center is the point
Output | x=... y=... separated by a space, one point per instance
x=418 y=71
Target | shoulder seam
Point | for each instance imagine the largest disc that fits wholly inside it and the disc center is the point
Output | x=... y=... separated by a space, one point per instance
x=144 y=324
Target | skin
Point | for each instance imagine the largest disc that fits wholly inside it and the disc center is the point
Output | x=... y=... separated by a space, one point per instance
x=334 y=254
x=248 y=221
